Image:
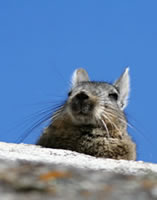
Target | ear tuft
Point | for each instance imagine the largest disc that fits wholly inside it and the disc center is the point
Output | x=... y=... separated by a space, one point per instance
x=123 y=85
x=79 y=75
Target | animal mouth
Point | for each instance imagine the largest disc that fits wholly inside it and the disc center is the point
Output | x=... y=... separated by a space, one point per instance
x=81 y=109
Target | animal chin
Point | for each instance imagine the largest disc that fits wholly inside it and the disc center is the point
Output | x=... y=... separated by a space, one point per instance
x=82 y=119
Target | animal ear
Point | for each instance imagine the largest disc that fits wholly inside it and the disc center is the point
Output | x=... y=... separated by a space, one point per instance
x=123 y=85
x=79 y=75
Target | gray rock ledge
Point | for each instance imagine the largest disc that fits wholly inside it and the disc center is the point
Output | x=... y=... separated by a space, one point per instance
x=29 y=171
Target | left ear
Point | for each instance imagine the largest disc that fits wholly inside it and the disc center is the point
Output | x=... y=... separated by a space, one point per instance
x=123 y=85
x=79 y=75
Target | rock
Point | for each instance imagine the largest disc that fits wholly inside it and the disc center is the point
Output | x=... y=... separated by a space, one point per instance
x=29 y=171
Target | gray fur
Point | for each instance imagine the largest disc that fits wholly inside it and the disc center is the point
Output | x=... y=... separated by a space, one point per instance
x=92 y=120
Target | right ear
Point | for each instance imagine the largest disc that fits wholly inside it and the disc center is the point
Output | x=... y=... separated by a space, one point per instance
x=79 y=75
x=123 y=85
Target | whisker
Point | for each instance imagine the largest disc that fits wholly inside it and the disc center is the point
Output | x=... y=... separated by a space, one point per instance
x=113 y=111
x=113 y=124
x=50 y=109
x=51 y=113
x=121 y=117
x=34 y=126
x=108 y=135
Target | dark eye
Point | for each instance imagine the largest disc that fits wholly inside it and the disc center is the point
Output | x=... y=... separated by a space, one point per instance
x=113 y=96
x=69 y=93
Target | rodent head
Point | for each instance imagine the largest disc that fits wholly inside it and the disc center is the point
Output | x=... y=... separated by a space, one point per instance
x=91 y=102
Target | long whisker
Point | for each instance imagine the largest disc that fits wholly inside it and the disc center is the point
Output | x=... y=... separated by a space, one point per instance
x=108 y=135
x=113 y=111
x=34 y=126
x=121 y=117
x=50 y=109
x=46 y=115
x=57 y=113
x=112 y=123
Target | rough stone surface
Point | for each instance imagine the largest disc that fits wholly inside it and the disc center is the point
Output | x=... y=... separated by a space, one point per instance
x=31 y=172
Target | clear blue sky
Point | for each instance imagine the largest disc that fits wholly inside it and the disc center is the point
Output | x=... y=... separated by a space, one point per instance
x=42 y=42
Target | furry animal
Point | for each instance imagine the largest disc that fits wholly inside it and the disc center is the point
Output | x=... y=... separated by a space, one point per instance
x=92 y=120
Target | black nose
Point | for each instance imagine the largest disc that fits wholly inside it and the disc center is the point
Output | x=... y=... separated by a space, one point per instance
x=81 y=96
